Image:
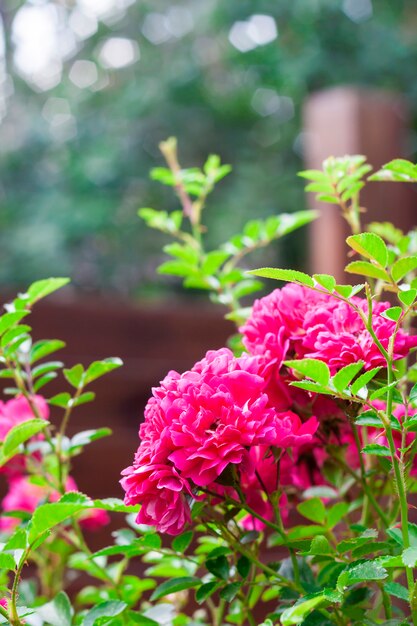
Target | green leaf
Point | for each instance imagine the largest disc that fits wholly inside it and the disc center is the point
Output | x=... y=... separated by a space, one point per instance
x=320 y=546
x=312 y=368
x=313 y=510
x=183 y=252
x=399 y=170
x=84 y=398
x=243 y=566
x=43 y=348
x=109 y=608
x=116 y=505
x=99 y=368
x=43 y=380
x=230 y=591
x=344 y=376
x=18 y=435
x=409 y=557
x=366 y=269
x=205 y=591
x=397 y=590
x=45 y=368
x=10 y=319
x=176 y=268
x=85 y=437
x=58 y=612
x=49 y=515
x=285 y=275
x=407 y=297
x=175 y=584
x=16 y=333
x=393 y=313
x=326 y=281
x=367 y=570
x=74 y=375
x=336 y=513
x=370 y=246
x=369 y=418
x=402 y=267
x=181 y=542
x=297 y=613
x=382 y=391
x=219 y=567
x=310 y=386
x=61 y=399
x=363 y=380
x=42 y=288
x=377 y=449
x=213 y=261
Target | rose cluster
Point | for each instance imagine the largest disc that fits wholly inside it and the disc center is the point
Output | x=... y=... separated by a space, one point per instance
x=234 y=427
x=24 y=493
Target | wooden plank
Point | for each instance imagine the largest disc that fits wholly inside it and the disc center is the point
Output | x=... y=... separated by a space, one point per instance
x=352 y=120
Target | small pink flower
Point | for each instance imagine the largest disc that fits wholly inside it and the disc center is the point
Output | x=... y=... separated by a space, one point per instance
x=291 y=431
x=298 y=322
x=163 y=495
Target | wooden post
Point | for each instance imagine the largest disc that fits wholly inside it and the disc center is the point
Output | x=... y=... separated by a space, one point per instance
x=351 y=120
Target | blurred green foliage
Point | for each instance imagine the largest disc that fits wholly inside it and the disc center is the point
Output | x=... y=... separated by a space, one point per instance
x=78 y=140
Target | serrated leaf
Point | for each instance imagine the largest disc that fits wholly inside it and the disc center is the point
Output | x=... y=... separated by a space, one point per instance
x=285 y=275
x=43 y=348
x=175 y=584
x=74 y=375
x=409 y=557
x=85 y=437
x=230 y=591
x=320 y=546
x=310 y=386
x=402 y=267
x=61 y=399
x=397 y=590
x=407 y=297
x=344 y=376
x=109 y=608
x=205 y=591
x=371 y=246
x=219 y=567
x=393 y=313
x=399 y=170
x=367 y=570
x=363 y=268
x=313 y=510
x=326 y=281
x=10 y=319
x=312 y=368
x=99 y=368
x=19 y=434
x=382 y=391
x=377 y=449
x=363 y=380
x=176 y=268
x=42 y=288
x=243 y=566
x=49 y=515
x=297 y=613
x=58 y=612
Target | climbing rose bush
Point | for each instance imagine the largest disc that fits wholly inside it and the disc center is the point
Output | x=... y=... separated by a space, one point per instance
x=273 y=482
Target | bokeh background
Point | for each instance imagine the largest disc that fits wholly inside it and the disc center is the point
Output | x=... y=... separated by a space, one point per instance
x=88 y=88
